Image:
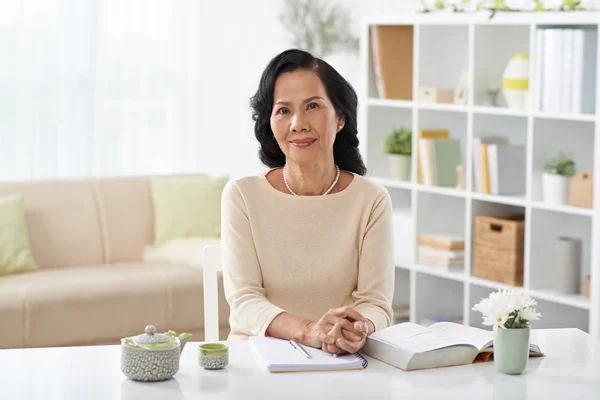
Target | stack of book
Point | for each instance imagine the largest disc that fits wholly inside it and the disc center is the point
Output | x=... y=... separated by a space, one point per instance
x=441 y=250
x=566 y=65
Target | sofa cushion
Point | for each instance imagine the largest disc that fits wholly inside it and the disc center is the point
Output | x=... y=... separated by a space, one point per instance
x=125 y=206
x=64 y=226
x=99 y=303
x=15 y=248
x=186 y=207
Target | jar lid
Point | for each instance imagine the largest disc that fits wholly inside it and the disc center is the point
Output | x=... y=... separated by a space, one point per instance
x=151 y=337
x=152 y=340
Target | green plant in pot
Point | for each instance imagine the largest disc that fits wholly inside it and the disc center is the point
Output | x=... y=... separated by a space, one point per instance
x=398 y=146
x=556 y=179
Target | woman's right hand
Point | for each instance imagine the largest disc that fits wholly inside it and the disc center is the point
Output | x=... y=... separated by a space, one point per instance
x=318 y=332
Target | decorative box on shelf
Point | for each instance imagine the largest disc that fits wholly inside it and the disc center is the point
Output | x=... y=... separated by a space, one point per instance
x=499 y=248
x=435 y=95
x=581 y=190
x=585 y=287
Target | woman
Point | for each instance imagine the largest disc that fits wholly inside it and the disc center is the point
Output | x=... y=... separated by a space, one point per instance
x=307 y=246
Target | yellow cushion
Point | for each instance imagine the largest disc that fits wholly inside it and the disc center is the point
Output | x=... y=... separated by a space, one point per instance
x=15 y=247
x=186 y=207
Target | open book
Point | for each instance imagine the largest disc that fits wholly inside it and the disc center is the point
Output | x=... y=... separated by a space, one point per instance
x=409 y=346
x=279 y=355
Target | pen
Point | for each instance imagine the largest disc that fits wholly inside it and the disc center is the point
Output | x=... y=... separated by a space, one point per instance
x=299 y=348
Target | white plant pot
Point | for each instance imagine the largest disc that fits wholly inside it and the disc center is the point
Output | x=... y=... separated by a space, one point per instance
x=556 y=188
x=400 y=166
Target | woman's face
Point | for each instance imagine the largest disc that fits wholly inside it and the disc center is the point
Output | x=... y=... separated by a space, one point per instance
x=303 y=118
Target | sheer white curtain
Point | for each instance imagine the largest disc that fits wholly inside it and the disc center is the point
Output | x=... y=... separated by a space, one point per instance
x=98 y=87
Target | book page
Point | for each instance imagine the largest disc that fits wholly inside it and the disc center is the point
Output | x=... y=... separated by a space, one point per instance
x=479 y=338
x=415 y=338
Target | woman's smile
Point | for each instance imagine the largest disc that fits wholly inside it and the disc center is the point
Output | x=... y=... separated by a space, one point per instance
x=304 y=142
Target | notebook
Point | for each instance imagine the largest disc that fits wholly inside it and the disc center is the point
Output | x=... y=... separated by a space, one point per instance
x=278 y=355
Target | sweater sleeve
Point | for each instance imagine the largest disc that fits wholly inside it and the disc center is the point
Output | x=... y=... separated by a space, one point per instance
x=250 y=311
x=376 y=270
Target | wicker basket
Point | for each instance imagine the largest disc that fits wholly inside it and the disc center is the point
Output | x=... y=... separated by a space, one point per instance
x=499 y=248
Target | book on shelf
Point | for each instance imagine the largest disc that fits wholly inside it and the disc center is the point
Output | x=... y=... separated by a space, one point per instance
x=392 y=61
x=410 y=346
x=440 y=257
x=439 y=158
x=428 y=134
x=480 y=143
x=566 y=67
x=498 y=166
x=506 y=167
x=442 y=241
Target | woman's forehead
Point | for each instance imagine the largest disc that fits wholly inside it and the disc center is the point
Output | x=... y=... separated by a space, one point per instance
x=298 y=86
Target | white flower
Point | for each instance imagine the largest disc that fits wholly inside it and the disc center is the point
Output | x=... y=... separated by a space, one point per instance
x=529 y=314
x=507 y=309
x=496 y=317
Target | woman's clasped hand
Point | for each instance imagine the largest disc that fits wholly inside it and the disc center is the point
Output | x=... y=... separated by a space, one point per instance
x=339 y=330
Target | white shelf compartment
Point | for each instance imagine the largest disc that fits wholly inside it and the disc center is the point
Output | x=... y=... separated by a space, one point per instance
x=447 y=301
x=402 y=294
x=480 y=207
x=381 y=123
x=558 y=315
x=551 y=138
x=494 y=46
x=547 y=227
x=403 y=225
x=488 y=128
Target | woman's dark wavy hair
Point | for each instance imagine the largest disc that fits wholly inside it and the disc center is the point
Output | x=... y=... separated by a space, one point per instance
x=341 y=93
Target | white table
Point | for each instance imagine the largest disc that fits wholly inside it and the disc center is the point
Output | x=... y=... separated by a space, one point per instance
x=571 y=370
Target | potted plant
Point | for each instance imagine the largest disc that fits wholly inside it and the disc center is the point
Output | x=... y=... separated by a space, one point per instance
x=557 y=178
x=509 y=313
x=398 y=146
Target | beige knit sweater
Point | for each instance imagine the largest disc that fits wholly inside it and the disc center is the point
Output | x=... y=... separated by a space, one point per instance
x=305 y=254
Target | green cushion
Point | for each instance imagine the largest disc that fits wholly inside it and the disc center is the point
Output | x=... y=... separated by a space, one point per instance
x=186 y=207
x=15 y=247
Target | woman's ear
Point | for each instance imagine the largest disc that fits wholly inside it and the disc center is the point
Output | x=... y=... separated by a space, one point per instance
x=341 y=121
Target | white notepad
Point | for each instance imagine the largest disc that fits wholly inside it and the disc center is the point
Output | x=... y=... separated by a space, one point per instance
x=278 y=355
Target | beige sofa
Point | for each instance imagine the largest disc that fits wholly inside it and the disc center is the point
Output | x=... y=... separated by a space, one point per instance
x=93 y=287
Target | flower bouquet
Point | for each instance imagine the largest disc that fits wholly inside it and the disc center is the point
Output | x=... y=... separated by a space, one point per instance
x=509 y=313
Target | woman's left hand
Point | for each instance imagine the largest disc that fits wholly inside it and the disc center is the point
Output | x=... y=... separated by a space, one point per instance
x=343 y=344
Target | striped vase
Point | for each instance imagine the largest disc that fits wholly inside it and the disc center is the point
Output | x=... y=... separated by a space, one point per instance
x=515 y=82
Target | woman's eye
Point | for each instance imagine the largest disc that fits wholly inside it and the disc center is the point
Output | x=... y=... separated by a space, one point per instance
x=283 y=110
x=312 y=106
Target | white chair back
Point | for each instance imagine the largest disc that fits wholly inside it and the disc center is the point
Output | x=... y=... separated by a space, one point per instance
x=211 y=265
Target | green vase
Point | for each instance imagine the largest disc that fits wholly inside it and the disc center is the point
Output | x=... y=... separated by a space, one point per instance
x=511 y=350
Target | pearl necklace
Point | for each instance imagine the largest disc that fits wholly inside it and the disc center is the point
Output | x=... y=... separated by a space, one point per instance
x=337 y=177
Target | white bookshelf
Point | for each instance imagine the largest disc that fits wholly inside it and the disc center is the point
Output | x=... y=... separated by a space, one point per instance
x=443 y=45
